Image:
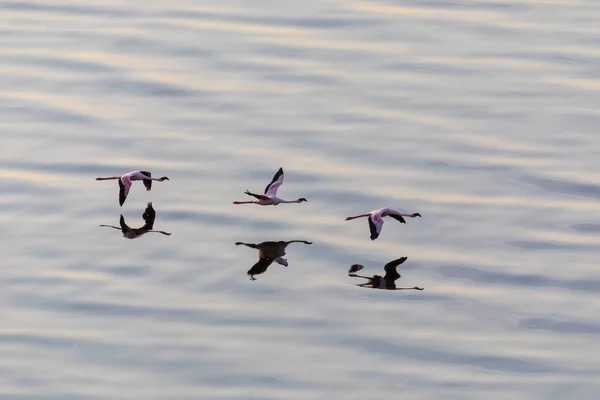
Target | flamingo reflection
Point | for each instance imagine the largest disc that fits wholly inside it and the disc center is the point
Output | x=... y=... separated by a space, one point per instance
x=388 y=281
x=149 y=216
x=267 y=253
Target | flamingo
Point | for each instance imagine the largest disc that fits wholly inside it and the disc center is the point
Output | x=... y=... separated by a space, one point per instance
x=270 y=197
x=125 y=182
x=267 y=253
x=386 y=282
x=376 y=219
x=149 y=216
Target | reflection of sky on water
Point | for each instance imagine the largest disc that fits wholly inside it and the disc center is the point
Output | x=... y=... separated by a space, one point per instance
x=480 y=116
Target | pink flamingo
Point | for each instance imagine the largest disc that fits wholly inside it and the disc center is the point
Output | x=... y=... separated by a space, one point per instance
x=376 y=219
x=125 y=182
x=270 y=197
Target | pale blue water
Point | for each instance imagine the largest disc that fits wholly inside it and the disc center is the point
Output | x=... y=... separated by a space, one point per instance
x=480 y=115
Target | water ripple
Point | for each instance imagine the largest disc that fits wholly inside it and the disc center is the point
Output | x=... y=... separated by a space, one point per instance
x=480 y=276
x=553 y=325
x=481 y=115
x=493 y=363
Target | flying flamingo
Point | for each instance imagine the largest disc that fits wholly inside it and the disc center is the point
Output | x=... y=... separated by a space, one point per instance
x=149 y=216
x=270 y=197
x=376 y=219
x=125 y=182
x=386 y=282
x=267 y=253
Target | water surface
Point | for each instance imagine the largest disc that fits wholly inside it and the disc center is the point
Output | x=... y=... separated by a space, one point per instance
x=480 y=115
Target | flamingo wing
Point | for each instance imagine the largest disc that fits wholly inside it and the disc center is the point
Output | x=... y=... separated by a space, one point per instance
x=390 y=268
x=124 y=227
x=261 y=266
x=124 y=186
x=147 y=182
x=397 y=217
x=375 y=224
x=258 y=196
x=282 y=261
x=149 y=216
x=271 y=189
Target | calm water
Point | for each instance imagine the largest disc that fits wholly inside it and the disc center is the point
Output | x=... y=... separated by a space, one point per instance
x=480 y=115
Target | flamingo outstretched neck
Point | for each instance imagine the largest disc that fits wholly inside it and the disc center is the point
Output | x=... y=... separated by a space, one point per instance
x=300 y=200
x=414 y=215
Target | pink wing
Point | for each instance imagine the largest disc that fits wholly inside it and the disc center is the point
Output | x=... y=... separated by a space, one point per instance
x=375 y=224
x=271 y=189
x=124 y=185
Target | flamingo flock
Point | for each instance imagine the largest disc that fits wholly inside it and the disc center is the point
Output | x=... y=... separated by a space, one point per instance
x=269 y=251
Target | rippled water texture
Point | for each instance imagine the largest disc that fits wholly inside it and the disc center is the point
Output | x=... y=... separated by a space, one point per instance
x=480 y=115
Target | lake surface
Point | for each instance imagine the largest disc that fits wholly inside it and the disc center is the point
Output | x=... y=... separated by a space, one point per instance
x=481 y=115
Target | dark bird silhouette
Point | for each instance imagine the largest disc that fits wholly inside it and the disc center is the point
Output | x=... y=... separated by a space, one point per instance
x=267 y=253
x=149 y=216
x=388 y=281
